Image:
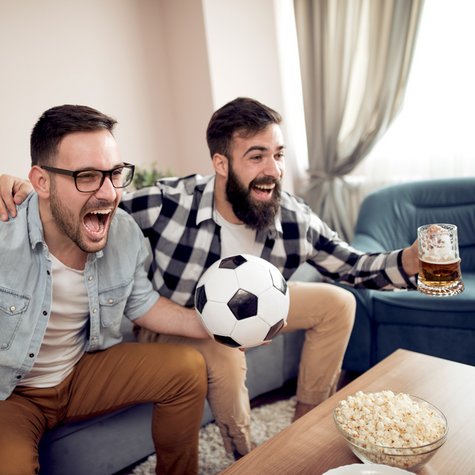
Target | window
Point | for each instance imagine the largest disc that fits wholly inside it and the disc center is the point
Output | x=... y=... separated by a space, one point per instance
x=432 y=135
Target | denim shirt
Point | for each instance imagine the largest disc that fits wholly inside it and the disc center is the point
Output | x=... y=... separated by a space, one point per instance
x=115 y=279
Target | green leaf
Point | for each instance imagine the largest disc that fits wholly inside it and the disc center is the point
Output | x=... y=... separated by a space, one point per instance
x=144 y=177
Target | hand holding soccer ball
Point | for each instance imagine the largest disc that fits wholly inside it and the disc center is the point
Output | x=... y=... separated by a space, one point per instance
x=242 y=300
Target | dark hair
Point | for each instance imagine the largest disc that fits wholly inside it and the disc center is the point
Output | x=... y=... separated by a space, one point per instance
x=244 y=115
x=57 y=122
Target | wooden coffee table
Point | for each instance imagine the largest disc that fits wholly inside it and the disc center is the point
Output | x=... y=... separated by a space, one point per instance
x=312 y=444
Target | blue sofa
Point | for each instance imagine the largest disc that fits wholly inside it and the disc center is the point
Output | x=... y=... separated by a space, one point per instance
x=439 y=326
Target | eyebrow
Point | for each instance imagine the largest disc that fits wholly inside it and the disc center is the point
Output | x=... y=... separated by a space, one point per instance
x=89 y=169
x=260 y=148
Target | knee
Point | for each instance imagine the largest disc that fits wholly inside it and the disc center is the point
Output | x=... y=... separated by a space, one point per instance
x=345 y=300
x=337 y=308
x=344 y=305
x=227 y=368
x=17 y=460
x=192 y=367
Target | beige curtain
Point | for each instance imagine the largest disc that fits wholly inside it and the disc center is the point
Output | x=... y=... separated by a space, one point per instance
x=355 y=57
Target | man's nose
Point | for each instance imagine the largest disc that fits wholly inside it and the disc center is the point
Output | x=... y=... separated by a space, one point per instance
x=273 y=168
x=107 y=190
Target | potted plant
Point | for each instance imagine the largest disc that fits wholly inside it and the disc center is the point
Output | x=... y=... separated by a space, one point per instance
x=144 y=177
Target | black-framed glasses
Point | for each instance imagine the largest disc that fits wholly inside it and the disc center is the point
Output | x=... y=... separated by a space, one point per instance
x=88 y=181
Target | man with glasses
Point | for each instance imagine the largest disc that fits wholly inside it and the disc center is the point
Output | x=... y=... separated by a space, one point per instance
x=72 y=265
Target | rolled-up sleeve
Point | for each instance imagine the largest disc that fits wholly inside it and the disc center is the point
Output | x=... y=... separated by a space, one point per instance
x=143 y=296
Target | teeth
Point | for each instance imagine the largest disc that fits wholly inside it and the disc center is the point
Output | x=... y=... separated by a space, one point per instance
x=265 y=187
x=100 y=211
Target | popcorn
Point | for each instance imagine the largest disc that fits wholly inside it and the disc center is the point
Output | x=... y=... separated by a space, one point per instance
x=385 y=427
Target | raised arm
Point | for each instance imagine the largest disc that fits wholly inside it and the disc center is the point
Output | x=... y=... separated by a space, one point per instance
x=13 y=191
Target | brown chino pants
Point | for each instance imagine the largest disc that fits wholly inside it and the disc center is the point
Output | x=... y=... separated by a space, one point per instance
x=173 y=377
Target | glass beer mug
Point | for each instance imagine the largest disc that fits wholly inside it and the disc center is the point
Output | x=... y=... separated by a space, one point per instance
x=439 y=260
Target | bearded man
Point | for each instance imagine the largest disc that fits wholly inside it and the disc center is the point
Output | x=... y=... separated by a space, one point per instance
x=194 y=221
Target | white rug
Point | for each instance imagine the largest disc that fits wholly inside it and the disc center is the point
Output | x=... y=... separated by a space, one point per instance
x=266 y=421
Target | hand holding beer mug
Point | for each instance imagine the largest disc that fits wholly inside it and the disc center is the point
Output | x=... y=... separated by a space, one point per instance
x=439 y=260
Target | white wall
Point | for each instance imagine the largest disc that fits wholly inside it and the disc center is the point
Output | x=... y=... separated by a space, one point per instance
x=242 y=54
x=56 y=52
x=160 y=67
x=191 y=105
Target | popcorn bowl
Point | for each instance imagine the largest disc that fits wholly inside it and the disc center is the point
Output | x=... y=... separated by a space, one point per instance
x=398 y=430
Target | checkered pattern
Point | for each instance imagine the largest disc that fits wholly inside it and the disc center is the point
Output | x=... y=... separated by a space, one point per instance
x=177 y=217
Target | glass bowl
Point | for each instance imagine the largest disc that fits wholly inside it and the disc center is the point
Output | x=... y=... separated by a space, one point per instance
x=374 y=435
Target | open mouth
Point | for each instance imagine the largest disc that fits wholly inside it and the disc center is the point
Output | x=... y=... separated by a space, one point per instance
x=96 y=222
x=263 y=191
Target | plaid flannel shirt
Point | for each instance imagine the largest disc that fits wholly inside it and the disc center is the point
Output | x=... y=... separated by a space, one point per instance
x=177 y=217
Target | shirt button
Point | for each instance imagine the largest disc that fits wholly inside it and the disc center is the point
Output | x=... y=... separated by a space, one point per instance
x=48 y=272
x=90 y=278
x=12 y=308
x=31 y=355
x=111 y=301
x=94 y=310
x=45 y=312
x=18 y=376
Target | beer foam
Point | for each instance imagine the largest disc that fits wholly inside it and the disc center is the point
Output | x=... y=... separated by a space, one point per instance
x=437 y=246
x=447 y=260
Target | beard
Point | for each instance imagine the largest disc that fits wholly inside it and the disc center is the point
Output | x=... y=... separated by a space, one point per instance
x=256 y=215
x=71 y=225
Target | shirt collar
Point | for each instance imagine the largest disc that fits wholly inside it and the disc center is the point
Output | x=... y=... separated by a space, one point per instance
x=35 y=228
x=205 y=207
x=276 y=228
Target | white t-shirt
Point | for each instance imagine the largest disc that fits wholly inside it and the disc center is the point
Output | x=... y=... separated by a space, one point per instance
x=65 y=337
x=237 y=238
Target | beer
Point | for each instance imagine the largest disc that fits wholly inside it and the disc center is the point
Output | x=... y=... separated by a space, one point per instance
x=440 y=277
x=439 y=261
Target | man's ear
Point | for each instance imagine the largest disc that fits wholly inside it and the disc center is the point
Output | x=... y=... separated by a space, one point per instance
x=40 y=181
x=221 y=164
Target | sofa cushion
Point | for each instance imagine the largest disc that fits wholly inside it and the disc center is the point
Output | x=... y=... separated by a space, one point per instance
x=414 y=307
x=453 y=344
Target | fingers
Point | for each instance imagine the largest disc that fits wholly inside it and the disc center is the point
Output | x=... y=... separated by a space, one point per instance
x=21 y=190
x=13 y=191
x=7 y=205
x=264 y=343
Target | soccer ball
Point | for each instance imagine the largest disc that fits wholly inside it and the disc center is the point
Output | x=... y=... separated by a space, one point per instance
x=242 y=300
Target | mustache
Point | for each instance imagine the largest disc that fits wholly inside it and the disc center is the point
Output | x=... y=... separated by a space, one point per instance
x=100 y=203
